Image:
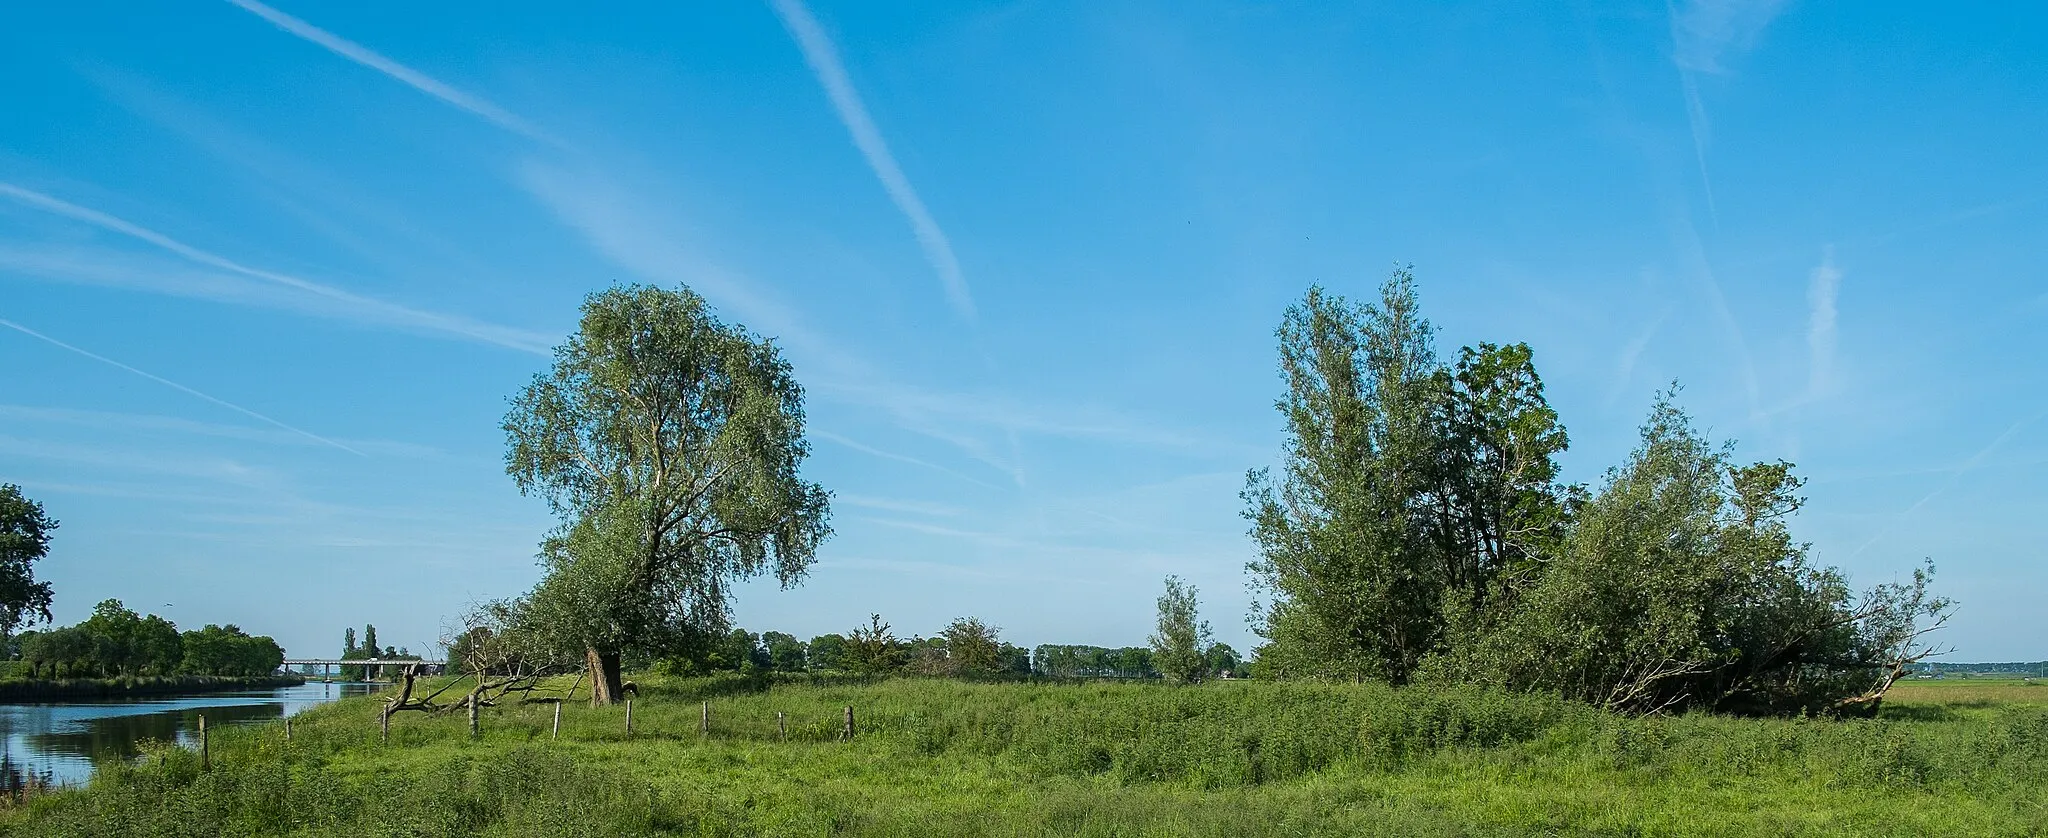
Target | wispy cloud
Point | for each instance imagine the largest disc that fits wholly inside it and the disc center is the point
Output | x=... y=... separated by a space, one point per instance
x=179 y=387
x=186 y=469
x=1955 y=476
x=937 y=510
x=823 y=57
x=1625 y=363
x=417 y=80
x=1823 y=287
x=145 y=424
x=1703 y=33
x=901 y=458
x=336 y=302
x=650 y=242
x=639 y=237
x=1694 y=251
x=643 y=238
x=344 y=210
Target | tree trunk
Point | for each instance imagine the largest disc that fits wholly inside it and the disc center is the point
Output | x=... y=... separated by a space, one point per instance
x=605 y=686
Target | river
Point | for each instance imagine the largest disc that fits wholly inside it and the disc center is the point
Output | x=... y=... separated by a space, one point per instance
x=59 y=741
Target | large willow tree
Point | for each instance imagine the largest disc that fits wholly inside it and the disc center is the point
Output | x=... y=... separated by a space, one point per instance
x=669 y=443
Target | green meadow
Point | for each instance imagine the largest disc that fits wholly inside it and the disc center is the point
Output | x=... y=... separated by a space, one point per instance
x=945 y=757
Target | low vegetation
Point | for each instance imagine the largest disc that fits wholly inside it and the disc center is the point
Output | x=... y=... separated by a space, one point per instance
x=946 y=757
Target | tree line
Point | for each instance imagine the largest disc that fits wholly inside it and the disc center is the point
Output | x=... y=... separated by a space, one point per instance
x=966 y=647
x=115 y=642
x=1418 y=530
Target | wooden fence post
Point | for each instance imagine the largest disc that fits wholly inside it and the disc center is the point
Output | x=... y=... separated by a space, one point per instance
x=782 y=725
x=384 y=726
x=704 y=721
x=557 y=734
x=847 y=733
x=287 y=728
x=472 y=715
x=629 y=718
x=205 y=752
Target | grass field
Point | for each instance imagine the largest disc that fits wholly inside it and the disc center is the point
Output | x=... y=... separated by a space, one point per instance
x=942 y=758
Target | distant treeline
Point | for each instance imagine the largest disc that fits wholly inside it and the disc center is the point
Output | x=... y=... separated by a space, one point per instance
x=115 y=642
x=966 y=647
x=2037 y=668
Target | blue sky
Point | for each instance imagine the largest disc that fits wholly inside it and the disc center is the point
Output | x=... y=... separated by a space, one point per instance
x=269 y=273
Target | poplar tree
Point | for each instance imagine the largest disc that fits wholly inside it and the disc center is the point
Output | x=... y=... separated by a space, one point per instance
x=1352 y=579
x=1178 y=644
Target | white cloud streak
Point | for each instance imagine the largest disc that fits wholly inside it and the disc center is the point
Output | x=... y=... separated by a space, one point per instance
x=413 y=78
x=901 y=458
x=823 y=57
x=1955 y=476
x=1824 y=286
x=937 y=510
x=147 y=425
x=1625 y=364
x=1705 y=31
x=335 y=302
x=179 y=387
x=1702 y=33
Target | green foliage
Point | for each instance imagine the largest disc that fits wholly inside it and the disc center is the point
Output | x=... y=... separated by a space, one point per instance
x=24 y=540
x=785 y=652
x=826 y=652
x=1064 y=661
x=1345 y=554
x=1419 y=531
x=1682 y=587
x=972 y=648
x=1222 y=659
x=872 y=649
x=227 y=650
x=669 y=443
x=116 y=642
x=944 y=758
x=1182 y=637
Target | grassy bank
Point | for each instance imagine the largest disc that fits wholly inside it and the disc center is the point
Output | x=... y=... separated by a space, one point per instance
x=940 y=758
x=62 y=689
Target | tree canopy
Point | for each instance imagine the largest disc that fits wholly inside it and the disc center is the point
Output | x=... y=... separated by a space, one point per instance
x=1419 y=530
x=24 y=540
x=115 y=641
x=1182 y=638
x=669 y=443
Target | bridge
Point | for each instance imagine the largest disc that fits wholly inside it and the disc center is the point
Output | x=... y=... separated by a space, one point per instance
x=327 y=665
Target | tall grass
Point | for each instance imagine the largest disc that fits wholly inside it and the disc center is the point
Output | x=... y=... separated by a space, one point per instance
x=938 y=758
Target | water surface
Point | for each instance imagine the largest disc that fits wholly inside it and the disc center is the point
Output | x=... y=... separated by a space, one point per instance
x=59 y=741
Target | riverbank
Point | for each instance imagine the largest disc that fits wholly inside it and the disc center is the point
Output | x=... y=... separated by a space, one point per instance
x=68 y=689
x=942 y=758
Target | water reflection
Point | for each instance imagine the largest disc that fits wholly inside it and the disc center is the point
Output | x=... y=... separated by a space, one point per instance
x=61 y=741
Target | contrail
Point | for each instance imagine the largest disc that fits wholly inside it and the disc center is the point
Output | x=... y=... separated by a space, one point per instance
x=390 y=312
x=417 y=80
x=1955 y=477
x=1821 y=295
x=824 y=60
x=176 y=386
